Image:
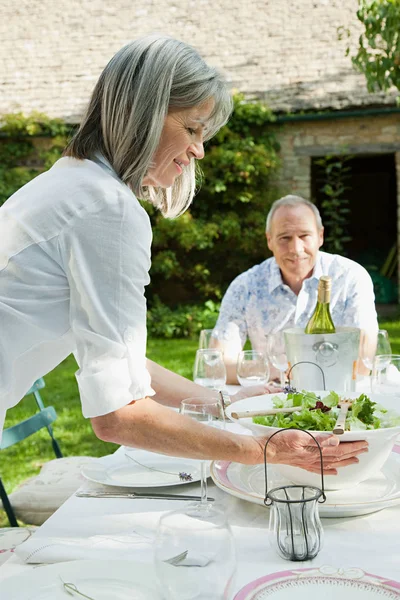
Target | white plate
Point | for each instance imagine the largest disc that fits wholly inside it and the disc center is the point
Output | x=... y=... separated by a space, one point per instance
x=327 y=582
x=103 y=580
x=379 y=492
x=124 y=472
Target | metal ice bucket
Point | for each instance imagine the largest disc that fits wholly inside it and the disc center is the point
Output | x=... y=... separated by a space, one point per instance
x=323 y=361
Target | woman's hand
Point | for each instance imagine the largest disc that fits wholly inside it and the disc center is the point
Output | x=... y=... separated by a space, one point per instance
x=298 y=449
x=256 y=390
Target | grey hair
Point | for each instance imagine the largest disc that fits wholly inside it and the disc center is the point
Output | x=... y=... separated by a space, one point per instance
x=130 y=101
x=292 y=200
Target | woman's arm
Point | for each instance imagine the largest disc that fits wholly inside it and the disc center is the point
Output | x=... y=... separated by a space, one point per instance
x=172 y=388
x=151 y=426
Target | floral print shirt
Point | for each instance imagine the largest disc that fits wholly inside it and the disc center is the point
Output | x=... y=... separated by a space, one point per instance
x=258 y=302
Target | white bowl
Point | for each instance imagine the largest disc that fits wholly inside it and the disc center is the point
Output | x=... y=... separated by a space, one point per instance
x=380 y=443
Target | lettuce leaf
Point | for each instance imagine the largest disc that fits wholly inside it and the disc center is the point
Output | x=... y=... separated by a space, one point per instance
x=364 y=414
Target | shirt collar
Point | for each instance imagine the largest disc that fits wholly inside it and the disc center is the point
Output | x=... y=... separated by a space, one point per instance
x=276 y=278
x=101 y=160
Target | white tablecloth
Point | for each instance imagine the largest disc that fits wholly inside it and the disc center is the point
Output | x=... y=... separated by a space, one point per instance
x=370 y=542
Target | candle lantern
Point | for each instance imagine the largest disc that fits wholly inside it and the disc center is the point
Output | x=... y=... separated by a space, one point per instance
x=295 y=526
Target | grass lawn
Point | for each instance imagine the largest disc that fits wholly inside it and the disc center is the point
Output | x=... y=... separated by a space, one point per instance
x=73 y=431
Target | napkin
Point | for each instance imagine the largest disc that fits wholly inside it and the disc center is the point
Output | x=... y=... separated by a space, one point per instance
x=133 y=545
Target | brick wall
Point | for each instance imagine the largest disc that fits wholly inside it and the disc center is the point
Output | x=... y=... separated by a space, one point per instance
x=300 y=141
x=358 y=135
x=52 y=51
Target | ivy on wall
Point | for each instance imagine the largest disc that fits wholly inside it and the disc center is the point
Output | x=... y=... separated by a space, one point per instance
x=194 y=257
x=28 y=145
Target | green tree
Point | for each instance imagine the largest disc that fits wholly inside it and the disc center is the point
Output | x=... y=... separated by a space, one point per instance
x=378 y=54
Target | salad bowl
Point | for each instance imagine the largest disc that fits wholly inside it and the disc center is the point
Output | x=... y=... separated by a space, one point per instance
x=380 y=440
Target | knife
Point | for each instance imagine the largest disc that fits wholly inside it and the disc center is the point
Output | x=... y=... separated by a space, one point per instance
x=138 y=495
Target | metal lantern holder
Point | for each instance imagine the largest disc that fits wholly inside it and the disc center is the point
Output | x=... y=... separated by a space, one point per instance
x=307 y=362
x=294 y=518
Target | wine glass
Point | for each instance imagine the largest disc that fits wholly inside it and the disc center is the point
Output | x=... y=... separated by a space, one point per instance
x=372 y=347
x=208 y=338
x=252 y=368
x=209 y=368
x=277 y=353
x=208 y=411
x=385 y=377
x=194 y=555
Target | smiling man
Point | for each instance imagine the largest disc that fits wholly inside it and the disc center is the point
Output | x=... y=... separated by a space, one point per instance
x=281 y=292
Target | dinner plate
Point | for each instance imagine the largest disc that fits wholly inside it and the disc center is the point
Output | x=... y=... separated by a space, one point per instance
x=100 y=579
x=139 y=468
x=326 y=582
x=379 y=492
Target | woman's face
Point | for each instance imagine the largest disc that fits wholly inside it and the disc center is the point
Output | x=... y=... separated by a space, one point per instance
x=181 y=141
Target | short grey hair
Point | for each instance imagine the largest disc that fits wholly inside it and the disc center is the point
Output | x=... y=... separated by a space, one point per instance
x=292 y=200
x=130 y=101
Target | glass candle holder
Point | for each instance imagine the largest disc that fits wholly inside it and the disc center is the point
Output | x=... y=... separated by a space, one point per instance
x=295 y=527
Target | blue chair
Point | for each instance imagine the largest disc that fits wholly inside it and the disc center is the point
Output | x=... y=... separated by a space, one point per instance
x=24 y=429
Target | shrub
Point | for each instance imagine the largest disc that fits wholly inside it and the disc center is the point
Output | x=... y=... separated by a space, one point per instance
x=184 y=321
x=196 y=256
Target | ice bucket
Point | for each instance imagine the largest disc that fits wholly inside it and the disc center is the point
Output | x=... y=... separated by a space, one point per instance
x=333 y=357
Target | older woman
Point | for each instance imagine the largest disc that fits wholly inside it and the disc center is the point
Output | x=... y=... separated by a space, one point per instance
x=76 y=253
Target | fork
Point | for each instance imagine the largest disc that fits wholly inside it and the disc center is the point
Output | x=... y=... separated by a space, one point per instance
x=138 y=495
x=175 y=560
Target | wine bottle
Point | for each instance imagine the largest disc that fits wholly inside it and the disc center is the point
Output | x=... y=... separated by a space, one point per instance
x=321 y=320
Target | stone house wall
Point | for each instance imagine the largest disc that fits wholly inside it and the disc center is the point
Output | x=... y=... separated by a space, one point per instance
x=285 y=51
x=362 y=135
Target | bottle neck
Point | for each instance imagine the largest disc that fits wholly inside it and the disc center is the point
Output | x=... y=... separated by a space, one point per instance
x=324 y=295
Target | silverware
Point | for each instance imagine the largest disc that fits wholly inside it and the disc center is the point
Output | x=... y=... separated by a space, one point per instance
x=138 y=495
x=72 y=590
x=264 y=413
x=175 y=560
x=340 y=424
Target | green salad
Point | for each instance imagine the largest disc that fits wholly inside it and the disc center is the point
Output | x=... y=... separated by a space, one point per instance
x=320 y=413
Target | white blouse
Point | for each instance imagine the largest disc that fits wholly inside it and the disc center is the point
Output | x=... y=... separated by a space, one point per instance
x=74 y=261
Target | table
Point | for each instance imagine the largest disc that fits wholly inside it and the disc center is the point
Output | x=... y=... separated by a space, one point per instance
x=370 y=542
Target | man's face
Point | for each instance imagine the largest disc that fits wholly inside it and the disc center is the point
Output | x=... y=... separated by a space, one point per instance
x=294 y=240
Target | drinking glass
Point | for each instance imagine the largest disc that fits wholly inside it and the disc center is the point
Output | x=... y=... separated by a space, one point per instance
x=209 y=369
x=277 y=353
x=369 y=349
x=208 y=411
x=194 y=555
x=207 y=339
x=252 y=368
x=385 y=377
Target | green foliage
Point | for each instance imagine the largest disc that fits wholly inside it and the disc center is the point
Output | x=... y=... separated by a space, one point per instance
x=378 y=54
x=28 y=145
x=335 y=205
x=184 y=321
x=196 y=256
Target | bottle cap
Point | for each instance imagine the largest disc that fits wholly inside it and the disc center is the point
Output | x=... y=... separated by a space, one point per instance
x=324 y=288
x=325 y=281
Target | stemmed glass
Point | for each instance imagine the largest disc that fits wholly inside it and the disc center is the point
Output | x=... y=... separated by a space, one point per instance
x=194 y=555
x=209 y=369
x=252 y=368
x=207 y=338
x=208 y=411
x=385 y=377
x=370 y=349
x=276 y=351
